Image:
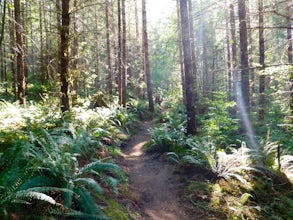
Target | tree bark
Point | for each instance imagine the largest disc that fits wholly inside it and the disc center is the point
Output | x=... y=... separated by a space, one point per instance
x=75 y=56
x=25 y=43
x=63 y=54
x=147 y=68
x=109 y=60
x=3 y=24
x=2 y=49
x=42 y=68
x=233 y=59
x=250 y=51
x=290 y=52
x=20 y=56
x=192 y=43
x=189 y=80
x=119 y=57
x=97 y=51
x=12 y=53
x=244 y=55
x=124 y=57
x=228 y=46
x=181 y=53
x=262 y=78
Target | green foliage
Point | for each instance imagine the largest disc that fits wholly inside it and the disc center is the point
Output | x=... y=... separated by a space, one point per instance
x=218 y=151
x=216 y=121
x=50 y=165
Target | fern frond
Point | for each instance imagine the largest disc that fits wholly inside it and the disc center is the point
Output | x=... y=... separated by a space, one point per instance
x=114 y=183
x=90 y=183
x=86 y=202
x=173 y=157
x=99 y=166
x=28 y=195
x=38 y=181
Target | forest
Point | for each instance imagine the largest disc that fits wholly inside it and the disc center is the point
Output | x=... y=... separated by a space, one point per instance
x=145 y=109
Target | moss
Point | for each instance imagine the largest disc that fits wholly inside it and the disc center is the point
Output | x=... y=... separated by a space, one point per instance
x=115 y=210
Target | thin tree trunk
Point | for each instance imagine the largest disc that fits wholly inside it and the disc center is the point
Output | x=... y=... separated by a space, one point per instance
x=244 y=55
x=146 y=58
x=25 y=43
x=250 y=51
x=97 y=51
x=290 y=53
x=189 y=80
x=234 y=58
x=12 y=53
x=4 y=69
x=119 y=52
x=228 y=46
x=109 y=61
x=75 y=55
x=2 y=50
x=181 y=53
x=124 y=58
x=42 y=68
x=262 y=78
x=3 y=24
x=20 y=56
x=63 y=54
x=192 y=43
x=32 y=51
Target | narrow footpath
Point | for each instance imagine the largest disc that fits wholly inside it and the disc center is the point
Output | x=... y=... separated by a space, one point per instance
x=152 y=181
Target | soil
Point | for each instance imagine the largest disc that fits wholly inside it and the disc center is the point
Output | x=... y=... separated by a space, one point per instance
x=152 y=181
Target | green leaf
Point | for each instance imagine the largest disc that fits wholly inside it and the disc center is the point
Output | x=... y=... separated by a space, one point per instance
x=244 y=198
x=90 y=183
x=35 y=195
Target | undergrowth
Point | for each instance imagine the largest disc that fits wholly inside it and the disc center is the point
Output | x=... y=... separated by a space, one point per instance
x=226 y=178
x=54 y=165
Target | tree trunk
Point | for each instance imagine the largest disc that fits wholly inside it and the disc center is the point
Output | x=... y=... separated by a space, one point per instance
x=109 y=61
x=181 y=53
x=189 y=80
x=75 y=56
x=262 y=78
x=233 y=59
x=42 y=67
x=97 y=51
x=228 y=46
x=2 y=49
x=192 y=44
x=3 y=24
x=250 y=51
x=25 y=43
x=63 y=54
x=244 y=55
x=20 y=56
x=146 y=58
x=124 y=58
x=119 y=57
x=290 y=53
x=12 y=53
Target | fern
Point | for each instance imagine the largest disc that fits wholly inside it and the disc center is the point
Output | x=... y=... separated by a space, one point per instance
x=28 y=195
x=92 y=184
x=86 y=202
x=99 y=167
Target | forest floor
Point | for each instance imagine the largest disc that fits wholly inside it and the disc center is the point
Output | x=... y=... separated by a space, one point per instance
x=152 y=181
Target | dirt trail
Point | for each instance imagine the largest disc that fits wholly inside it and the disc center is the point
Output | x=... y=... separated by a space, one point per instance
x=152 y=181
